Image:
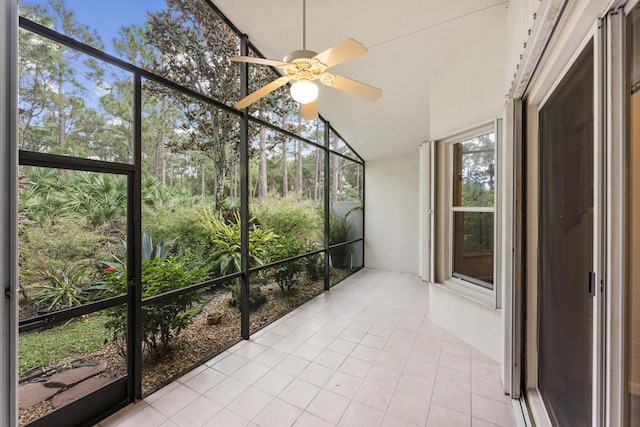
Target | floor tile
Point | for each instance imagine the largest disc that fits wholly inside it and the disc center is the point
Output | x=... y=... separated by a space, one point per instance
x=227 y=418
x=328 y=406
x=374 y=395
x=310 y=420
x=384 y=376
x=359 y=415
x=196 y=413
x=316 y=374
x=409 y=408
x=493 y=411
x=343 y=384
x=330 y=359
x=205 y=381
x=356 y=367
x=292 y=365
x=226 y=391
x=270 y=357
x=441 y=416
x=273 y=382
x=278 y=414
x=250 y=403
x=172 y=402
x=363 y=354
x=299 y=393
x=452 y=398
x=146 y=417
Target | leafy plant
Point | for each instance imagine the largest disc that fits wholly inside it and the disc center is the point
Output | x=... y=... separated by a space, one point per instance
x=288 y=216
x=225 y=237
x=63 y=290
x=313 y=264
x=286 y=275
x=256 y=297
x=338 y=228
x=161 y=321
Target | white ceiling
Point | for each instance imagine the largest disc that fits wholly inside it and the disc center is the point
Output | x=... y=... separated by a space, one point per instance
x=409 y=42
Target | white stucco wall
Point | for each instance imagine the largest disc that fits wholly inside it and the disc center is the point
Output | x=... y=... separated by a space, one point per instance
x=391 y=213
x=471 y=90
x=468 y=92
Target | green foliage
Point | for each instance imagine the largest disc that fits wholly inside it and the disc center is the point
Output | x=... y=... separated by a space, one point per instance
x=162 y=321
x=57 y=256
x=71 y=339
x=338 y=228
x=225 y=236
x=286 y=275
x=62 y=291
x=313 y=264
x=288 y=216
x=256 y=297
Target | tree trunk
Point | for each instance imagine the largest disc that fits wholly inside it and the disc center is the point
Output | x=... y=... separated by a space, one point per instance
x=299 y=170
x=202 y=186
x=336 y=177
x=299 y=157
x=61 y=114
x=316 y=186
x=262 y=165
x=163 y=150
x=285 y=183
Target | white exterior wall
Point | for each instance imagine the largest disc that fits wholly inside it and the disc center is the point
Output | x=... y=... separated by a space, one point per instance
x=472 y=89
x=469 y=91
x=391 y=213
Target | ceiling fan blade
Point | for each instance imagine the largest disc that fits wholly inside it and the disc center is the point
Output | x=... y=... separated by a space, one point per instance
x=261 y=61
x=309 y=110
x=341 y=52
x=353 y=87
x=264 y=90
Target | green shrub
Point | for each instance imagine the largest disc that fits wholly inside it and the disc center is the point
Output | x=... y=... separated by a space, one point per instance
x=256 y=297
x=178 y=222
x=225 y=236
x=287 y=216
x=286 y=275
x=51 y=252
x=162 y=321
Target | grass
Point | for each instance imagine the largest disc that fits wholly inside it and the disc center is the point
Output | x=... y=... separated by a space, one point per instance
x=74 y=338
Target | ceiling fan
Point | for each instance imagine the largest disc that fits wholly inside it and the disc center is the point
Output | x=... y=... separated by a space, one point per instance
x=305 y=66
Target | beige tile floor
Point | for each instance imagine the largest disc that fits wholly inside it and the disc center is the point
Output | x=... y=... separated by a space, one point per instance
x=363 y=354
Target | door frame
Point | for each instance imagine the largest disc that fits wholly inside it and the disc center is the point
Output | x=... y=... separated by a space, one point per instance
x=538 y=96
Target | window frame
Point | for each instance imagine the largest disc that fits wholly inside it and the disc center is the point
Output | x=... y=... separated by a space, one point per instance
x=490 y=297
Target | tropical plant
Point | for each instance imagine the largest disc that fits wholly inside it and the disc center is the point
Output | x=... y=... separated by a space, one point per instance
x=286 y=275
x=338 y=228
x=161 y=321
x=55 y=248
x=64 y=289
x=256 y=297
x=225 y=236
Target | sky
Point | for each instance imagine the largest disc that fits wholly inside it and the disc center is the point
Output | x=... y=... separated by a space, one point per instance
x=107 y=17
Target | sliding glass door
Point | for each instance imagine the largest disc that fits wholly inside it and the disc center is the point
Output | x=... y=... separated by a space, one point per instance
x=565 y=310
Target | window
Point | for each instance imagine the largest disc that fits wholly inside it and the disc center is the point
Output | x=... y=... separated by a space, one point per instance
x=472 y=210
x=460 y=207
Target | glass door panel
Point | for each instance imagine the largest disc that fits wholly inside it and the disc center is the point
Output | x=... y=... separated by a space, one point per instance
x=565 y=331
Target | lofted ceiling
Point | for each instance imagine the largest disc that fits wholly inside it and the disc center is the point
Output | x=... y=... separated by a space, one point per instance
x=409 y=42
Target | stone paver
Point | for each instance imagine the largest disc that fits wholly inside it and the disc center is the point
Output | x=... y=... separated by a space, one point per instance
x=81 y=389
x=75 y=375
x=32 y=393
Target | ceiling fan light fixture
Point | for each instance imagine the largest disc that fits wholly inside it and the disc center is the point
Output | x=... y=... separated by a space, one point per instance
x=304 y=91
